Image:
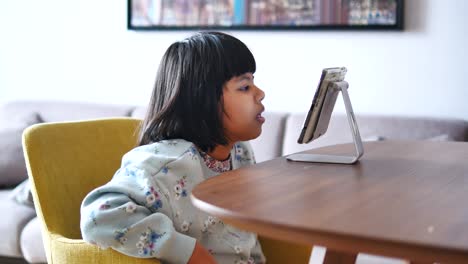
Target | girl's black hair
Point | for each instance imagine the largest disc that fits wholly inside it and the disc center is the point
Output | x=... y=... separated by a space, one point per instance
x=186 y=101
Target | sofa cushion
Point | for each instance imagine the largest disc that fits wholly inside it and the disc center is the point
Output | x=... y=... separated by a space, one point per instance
x=15 y=120
x=441 y=137
x=386 y=127
x=14 y=218
x=22 y=194
x=139 y=112
x=12 y=164
x=66 y=111
x=268 y=145
x=31 y=242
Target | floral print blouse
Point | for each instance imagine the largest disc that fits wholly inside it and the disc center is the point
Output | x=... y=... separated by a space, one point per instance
x=214 y=164
x=145 y=210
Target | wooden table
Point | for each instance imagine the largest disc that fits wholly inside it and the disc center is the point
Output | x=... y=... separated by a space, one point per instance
x=402 y=199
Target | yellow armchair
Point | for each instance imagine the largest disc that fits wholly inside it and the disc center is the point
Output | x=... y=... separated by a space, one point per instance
x=69 y=159
x=66 y=161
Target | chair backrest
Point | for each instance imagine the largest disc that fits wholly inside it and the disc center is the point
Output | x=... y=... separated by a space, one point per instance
x=67 y=160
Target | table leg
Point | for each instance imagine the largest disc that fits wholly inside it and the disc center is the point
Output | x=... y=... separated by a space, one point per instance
x=336 y=257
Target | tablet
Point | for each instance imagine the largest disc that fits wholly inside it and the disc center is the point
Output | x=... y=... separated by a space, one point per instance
x=318 y=118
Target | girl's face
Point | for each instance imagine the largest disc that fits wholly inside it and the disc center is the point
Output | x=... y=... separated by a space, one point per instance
x=242 y=117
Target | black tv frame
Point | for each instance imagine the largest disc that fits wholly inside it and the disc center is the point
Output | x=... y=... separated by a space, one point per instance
x=398 y=26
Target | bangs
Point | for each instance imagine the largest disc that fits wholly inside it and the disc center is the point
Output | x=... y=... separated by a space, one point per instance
x=229 y=56
x=237 y=59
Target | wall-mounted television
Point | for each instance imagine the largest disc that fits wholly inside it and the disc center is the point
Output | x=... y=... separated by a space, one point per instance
x=265 y=14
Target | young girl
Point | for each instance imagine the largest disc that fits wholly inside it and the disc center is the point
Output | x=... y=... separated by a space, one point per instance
x=203 y=107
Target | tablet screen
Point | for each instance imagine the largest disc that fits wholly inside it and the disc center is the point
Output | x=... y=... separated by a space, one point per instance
x=318 y=117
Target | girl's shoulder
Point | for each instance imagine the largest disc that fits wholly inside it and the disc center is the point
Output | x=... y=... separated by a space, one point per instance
x=170 y=147
x=244 y=145
x=154 y=157
x=244 y=153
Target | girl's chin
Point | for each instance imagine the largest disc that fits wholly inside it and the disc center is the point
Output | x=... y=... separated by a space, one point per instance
x=256 y=134
x=254 y=131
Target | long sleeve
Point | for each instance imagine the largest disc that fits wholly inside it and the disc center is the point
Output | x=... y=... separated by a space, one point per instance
x=132 y=213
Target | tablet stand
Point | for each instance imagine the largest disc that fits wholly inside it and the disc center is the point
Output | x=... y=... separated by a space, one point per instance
x=340 y=159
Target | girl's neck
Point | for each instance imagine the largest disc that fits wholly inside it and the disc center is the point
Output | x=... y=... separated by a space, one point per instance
x=221 y=152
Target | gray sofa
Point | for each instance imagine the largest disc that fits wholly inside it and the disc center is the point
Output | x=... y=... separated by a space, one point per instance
x=21 y=239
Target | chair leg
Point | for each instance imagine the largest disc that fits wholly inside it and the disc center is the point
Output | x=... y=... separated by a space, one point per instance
x=336 y=257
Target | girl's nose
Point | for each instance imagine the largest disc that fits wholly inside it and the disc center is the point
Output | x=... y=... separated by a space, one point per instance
x=260 y=94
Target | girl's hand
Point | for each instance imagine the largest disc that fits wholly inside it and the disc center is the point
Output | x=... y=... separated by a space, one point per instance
x=201 y=256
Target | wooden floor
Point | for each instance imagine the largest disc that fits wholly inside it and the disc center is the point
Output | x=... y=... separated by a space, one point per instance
x=318 y=255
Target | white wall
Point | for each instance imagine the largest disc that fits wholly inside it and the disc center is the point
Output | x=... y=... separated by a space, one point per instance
x=81 y=50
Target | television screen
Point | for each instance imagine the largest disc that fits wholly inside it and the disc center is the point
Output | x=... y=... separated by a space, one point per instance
x=265 y=14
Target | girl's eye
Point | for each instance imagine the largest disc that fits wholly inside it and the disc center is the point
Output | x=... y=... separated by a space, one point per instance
x=244 y=88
